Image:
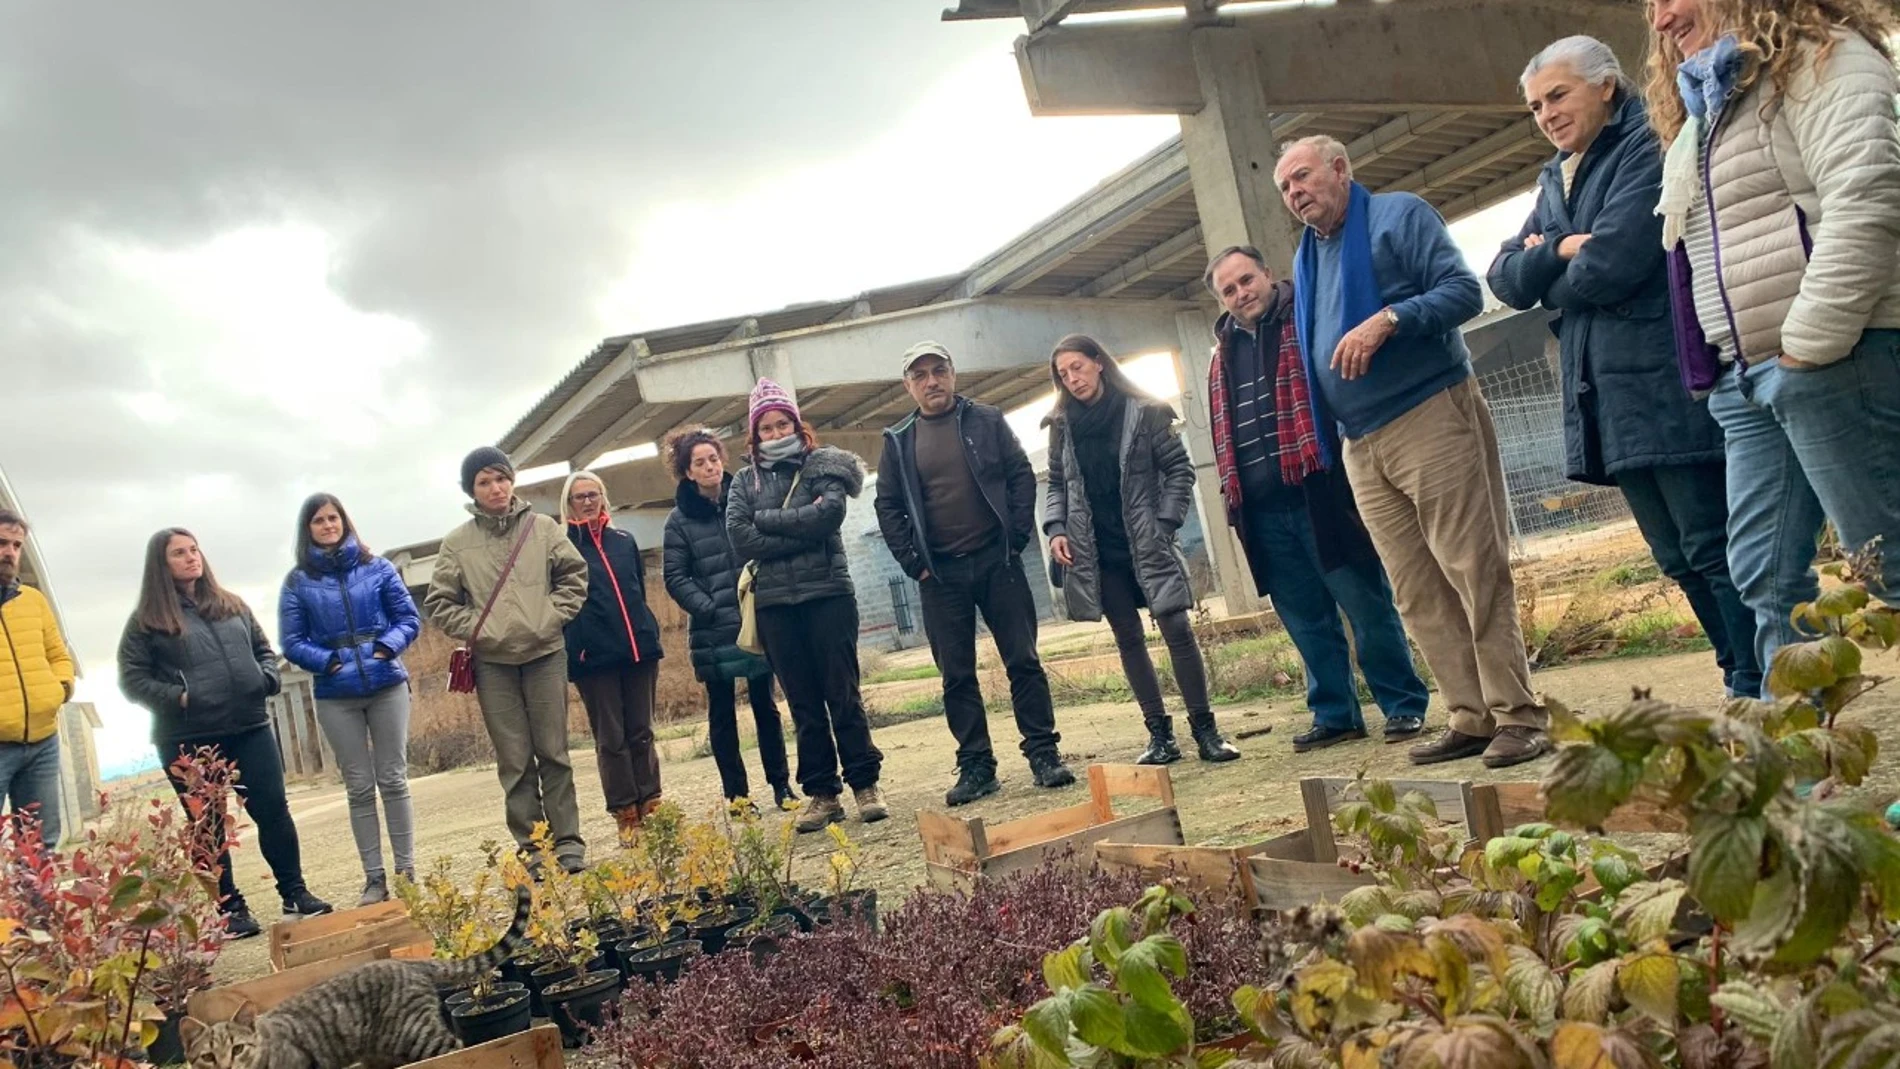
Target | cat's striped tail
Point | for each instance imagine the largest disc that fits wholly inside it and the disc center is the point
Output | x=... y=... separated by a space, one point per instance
x=511 y=945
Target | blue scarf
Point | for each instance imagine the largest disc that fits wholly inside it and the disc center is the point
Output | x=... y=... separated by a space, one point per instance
x=1706 y=79
x=1359 y=295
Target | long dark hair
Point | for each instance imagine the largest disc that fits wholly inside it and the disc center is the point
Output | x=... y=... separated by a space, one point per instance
x=311 y=506
x=1112 y=373
x=160 y=608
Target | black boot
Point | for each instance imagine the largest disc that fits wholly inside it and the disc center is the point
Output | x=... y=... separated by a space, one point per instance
x=1213 y=745
x=783 y=796
x=1161 y=746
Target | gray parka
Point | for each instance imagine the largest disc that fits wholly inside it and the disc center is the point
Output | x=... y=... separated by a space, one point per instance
x=1157 y=491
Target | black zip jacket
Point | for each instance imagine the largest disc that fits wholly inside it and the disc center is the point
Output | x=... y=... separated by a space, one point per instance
x=227 y=666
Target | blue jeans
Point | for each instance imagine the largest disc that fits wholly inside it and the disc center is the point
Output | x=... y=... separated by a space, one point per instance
x=29 y=775
x=1804 y=446
x=1308 y=602
x=1682 y=510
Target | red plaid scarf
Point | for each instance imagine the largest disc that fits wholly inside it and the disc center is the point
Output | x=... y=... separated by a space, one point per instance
x=1297 y=431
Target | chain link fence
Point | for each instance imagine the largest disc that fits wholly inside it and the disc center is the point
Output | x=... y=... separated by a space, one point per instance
x=1527 y=406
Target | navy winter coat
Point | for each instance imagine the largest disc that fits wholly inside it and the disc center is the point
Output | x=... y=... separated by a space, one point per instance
x=341 y=609
x=1625 y=407
x=615 y=629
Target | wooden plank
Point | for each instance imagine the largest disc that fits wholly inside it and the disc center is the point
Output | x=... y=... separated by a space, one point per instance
x=1041 y=828
x=421 y=950
x=1293 y=846
x=537 y=1048
x=1282 y=885
x=1154 y=826
x=945 y=878
x=284 y=933
x=266 y=992
x=397 y=932
x=1099 y=795
x=1217 y=869
x=950 y=841
x=1319 y=819
x=1141 y=781
x=1446 y=794
x=1506 y=805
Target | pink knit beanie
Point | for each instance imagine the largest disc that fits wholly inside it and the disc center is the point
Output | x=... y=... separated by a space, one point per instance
x=767 y=396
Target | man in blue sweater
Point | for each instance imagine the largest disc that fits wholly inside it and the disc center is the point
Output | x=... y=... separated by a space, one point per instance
x=1380 y=291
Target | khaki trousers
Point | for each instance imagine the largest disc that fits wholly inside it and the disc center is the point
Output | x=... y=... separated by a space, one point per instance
x=524 y=707
x=1431 y=491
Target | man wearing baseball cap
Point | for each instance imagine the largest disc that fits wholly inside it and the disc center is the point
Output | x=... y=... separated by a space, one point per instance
x=956 y=504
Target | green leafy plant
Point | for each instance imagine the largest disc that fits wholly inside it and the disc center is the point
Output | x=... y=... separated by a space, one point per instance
x=462 y=923
x=844 y=863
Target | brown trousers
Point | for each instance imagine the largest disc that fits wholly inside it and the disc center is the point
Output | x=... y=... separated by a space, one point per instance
x=620 y=710
x=1431 y=491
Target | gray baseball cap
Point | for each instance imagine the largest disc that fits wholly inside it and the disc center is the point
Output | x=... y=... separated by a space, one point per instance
x=922 y=349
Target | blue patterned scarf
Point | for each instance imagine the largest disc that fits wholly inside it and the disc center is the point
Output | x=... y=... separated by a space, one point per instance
x=1707 y=78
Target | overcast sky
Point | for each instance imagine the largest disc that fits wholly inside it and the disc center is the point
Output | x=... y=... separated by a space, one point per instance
x=256 y=250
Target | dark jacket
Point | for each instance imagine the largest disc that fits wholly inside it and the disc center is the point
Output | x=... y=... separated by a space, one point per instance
x=227 y=666
x=1157 y=491
x=796 y=540
x=702 y=577
x=341 y=615
x=614 y=629
x=1002 y=471
x=1624 y=403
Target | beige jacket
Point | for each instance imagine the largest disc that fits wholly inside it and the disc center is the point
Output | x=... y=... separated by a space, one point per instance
x=1817 y=168
x=545 y=590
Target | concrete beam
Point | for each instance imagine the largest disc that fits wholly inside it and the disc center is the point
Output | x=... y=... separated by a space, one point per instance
x=1392 y=136
x=531 y=451
x=1501 y=190
x=1471 y=159
x=1413 y=54
x=1159 y=258
x=883 y=400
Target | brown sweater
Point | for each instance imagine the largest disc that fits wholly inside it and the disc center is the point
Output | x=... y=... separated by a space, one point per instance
x=957 y=517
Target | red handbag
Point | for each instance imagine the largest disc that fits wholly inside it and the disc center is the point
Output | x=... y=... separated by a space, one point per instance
x=462 y=661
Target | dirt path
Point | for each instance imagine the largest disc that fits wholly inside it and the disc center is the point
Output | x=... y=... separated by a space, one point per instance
x=1246 y=799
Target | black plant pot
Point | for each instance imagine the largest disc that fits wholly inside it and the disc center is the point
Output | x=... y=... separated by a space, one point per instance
x=763 y=942
x=579 y=1005
x=167 y=1049
x=481 y=1020
x=854 y=907
x=713 y=929
x=467 y=995
x=661 y=964
x=551 y=973
x=797 y=913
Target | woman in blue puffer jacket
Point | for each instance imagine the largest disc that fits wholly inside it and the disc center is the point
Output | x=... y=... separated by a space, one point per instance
x=345 y=617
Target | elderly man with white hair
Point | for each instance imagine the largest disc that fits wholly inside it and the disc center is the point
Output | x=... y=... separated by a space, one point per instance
x=1380 y=291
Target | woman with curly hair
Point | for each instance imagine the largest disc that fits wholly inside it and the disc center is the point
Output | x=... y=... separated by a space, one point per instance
x=1781 y=217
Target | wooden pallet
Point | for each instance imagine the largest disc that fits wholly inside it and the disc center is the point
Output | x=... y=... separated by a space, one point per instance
x=537 y=1048
x=958 y=851
x=303 y=942
x=1297 y=869
x=266 y=992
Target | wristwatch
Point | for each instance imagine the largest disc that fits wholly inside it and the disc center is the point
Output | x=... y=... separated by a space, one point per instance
x=1390 y=316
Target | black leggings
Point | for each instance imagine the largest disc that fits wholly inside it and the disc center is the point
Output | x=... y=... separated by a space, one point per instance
x=260 y=788
x=722 y=730
x=1121 y=603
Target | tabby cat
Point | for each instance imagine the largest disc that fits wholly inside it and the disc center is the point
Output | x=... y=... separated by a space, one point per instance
x=382 y=1015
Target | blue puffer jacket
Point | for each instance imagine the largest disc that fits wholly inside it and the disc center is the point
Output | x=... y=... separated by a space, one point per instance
x=340 y=610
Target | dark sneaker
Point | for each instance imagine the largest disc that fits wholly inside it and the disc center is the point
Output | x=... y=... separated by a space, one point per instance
x=1514 y=745
x=783 y=796
x=572 y=865
x=820 y=810
x=1403 y=728
x=973 y=782
x=239 y=924
x=1162 y=749
x=375 y=889
x=305 y=904
x=1213 y=745
x=1451 y=746
x=1050 y=771
x=1318 y=738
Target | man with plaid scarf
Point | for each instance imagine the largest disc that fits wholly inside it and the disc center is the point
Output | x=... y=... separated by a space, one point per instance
x=1294 y=513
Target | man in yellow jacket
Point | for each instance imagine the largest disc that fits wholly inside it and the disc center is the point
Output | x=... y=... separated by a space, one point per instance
x=36 y=678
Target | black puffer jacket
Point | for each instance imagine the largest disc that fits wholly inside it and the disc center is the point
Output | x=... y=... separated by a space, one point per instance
x=615 y=628
x=795 y=540
x=702 y=576
x=227 y=666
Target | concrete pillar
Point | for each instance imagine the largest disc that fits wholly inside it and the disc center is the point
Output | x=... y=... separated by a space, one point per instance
x=1223 y=548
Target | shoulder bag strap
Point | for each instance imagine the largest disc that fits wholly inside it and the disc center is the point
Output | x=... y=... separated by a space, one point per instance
x=527 y=528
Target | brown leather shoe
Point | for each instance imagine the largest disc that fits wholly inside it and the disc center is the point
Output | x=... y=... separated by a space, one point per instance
x=627 y=820
x=1514 y=745
x=1451 y=746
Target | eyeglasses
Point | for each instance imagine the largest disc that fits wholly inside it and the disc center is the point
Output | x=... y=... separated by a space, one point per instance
x=584 y=497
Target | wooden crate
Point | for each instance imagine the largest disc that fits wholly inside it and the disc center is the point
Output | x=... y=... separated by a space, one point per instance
x=1296 y=869
x=537 y=1048
x=1498 y=807
x=266 y=992
x=957 y=851
x=301 y=942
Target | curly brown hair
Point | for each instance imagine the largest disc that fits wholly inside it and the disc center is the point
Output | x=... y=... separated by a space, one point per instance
x=1775 y=36
x=681 y=444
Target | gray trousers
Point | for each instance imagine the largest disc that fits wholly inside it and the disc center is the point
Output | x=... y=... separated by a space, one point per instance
x=525 y=709
x=371 y=739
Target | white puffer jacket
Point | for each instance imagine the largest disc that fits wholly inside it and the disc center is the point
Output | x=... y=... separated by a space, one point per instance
x=1807 y=207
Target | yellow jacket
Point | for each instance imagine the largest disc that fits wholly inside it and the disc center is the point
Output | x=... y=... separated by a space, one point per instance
x=36 y=672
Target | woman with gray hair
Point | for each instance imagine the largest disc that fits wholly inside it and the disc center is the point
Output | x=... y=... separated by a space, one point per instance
x=1592 y=252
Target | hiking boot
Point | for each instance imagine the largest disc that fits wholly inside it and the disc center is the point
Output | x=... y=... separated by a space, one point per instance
x=647 y=807
x=1049 y=770
x=820 y=810
x=239 y=924
x=1161 y=746
x=871 y=807
x=783 y=796
x=1451 y=746
x=1212 y=744
x=375 y=889
x=627 y=823
x=973 y=782
x=1514 y=745
x=304 y=904
x=1318 y=738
